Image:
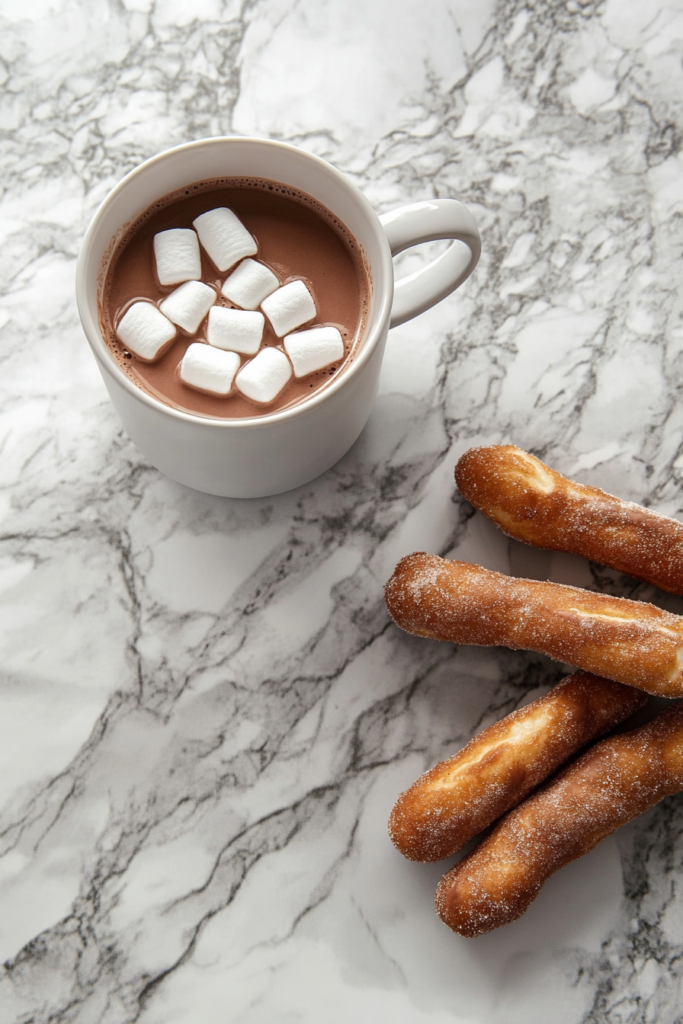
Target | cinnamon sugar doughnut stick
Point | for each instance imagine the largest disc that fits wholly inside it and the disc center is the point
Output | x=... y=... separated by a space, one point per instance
x=612 y=783
x=629 y=641
x=533 y=503
x=463 y=795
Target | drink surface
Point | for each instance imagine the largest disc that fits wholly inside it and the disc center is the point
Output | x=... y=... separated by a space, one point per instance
x=297 y=238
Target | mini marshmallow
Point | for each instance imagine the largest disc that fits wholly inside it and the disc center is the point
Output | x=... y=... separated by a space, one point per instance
x=188 y=305
x=145 y=330
x=311 y=350
x=249 y=284
x=237 y=330
x=224 y=237
x=209 y=369
x=289 y=307
x=264 y=377
x=177 y=256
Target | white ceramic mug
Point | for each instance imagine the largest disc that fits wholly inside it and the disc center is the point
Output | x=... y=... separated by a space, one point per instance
x=248 y=458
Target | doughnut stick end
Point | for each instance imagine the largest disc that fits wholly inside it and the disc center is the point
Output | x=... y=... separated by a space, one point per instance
x=473 y=904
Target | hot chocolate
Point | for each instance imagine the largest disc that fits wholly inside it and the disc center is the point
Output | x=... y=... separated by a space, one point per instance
x=265 y=284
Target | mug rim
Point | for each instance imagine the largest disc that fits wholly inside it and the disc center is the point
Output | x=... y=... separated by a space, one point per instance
x=106 y=359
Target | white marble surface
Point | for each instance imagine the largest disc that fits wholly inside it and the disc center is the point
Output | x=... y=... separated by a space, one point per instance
x=205 y=713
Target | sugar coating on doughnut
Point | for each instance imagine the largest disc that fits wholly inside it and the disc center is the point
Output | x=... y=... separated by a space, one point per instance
x=535 y=504
x=631 y=642
x=609 y=785
x=535 y=475
x=463 y=795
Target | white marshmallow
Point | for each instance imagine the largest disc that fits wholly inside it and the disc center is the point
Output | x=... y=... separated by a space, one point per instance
x=144 y=330
x=237 y=330
x=177 y=256
x=313 y=349
x=289 y=307
x=209 y=369
x=188 y=305
x=249 y=284
x=224 y=237
x=264 y=377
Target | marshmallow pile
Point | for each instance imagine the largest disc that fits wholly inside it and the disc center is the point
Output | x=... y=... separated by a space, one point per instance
x=232 y=353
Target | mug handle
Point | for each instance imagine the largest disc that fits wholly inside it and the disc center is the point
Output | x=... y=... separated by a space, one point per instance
x=427 y=222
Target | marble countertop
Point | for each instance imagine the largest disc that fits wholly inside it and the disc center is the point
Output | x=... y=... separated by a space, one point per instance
x=205 y=712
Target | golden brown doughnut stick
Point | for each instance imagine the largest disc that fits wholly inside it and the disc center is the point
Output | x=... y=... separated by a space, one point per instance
x=533 y=503
x=612 y=783
x=629 y=641
x=499 y=767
